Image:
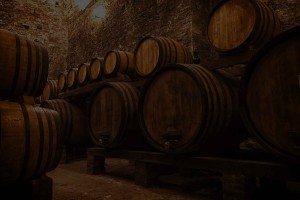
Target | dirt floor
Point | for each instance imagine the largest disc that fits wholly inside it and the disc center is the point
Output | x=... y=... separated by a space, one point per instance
x=71 y=182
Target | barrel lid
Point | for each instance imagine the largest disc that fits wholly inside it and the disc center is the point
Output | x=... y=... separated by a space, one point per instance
x=270 y=96
x=172 y=108
x=110 y=62
x=107 y=115
x=232 y=24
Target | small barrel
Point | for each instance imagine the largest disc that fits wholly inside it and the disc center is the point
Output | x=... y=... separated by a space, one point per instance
x=50 y=90
x=270 y=96
x=30 y=142
x=72 y=78
x=237 y=24
x=118 y=62
x=23 y=66
x=74 y=122
x=96 y=69
x=187 y=108
x=62 y=82
x=113 y=116
x=83 y=74
x=153 y=53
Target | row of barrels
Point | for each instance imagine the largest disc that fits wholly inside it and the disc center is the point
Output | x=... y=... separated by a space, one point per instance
x=188 y=108
x=159 y=51
x=31 y=142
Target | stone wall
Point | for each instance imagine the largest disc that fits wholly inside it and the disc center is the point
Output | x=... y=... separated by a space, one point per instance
x=40 y=21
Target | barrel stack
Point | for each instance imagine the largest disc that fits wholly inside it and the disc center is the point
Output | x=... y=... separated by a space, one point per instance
x=30 y=136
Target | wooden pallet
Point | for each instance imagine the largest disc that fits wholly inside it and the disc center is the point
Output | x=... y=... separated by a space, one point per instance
x=239 y=177
x=38 y=189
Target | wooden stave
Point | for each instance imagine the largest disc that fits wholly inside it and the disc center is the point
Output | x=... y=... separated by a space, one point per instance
x=194 y=145
x=269 y=147
x=73 y=132
x=129 y=131
x=255 y=38
x=165 y=52
x=32 y=164
x=30 y=83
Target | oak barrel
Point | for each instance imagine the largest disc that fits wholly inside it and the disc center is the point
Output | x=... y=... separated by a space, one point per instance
x=96 y=69
x=270 y=96
x=237 y=24
x=50 y=90
x=30 y=142
x=72 y=78
x=62 y=82
x=118 y=62
x=113 y=116
x=23 y=66
x=186 y=108
x=83 y=74
x=74 y=122
x=152 y=53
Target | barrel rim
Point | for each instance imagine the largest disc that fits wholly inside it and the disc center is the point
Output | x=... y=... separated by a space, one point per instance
x=244 y=44
x=155 y=70
x=99 y=77
x=123 y=124
x=117 y=67
x=245 y=114
x=193 y=145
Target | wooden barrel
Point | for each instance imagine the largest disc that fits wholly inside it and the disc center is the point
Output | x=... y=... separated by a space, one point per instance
x=50 y=90
x=83 y=74
x=30 y=142
x=29 y=100
x=236 y=24
x=118 y=62
x=74 y=122
x=187 y=108
x=113 y=116
x=96 y=69
x=72 y=78
x=271 y=94
x=62 y=82
x=152 y=53
x=23 y=66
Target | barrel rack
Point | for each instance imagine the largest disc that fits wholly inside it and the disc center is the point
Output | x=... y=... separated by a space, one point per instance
x=238 y=175
x=37 y=189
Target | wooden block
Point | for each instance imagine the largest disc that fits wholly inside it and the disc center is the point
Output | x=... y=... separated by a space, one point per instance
x=145 y=174
x=95 y=164
x=35 y=189
x=238 y=187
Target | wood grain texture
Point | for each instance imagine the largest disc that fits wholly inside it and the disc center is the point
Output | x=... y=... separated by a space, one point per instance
x=152 y=53
x=30 y=141
x=73 y=121
x=23 y=66
x=186 y=108
x=271 y=96
x=235 y=24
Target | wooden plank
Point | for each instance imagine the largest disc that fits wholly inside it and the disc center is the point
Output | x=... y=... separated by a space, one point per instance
x=222 y=165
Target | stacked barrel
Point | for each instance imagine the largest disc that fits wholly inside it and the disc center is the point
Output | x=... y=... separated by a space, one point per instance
x=30 y=135
x=181 y=107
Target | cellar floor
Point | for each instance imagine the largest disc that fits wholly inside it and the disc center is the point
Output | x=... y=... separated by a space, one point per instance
x=71 y=182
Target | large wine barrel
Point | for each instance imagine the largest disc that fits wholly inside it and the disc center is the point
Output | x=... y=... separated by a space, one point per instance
x=30 y=142
x=96 y=69
x=118 y=62
x=23 y=66
x=271 y=94
x=113 y=116
x=72 y=78
x=74 y=122
x=236 y=24
x=83 y=74
x=62 y=82
x=152 y=53
x=187 y=108
x=50 y=90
